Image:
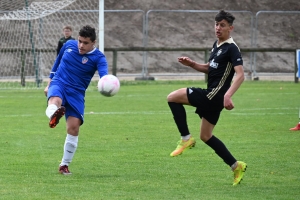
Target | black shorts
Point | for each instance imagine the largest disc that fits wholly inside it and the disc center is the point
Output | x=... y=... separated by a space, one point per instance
x=210 y=109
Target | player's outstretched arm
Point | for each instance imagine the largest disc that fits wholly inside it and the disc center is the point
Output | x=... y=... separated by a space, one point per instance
x=199 y=67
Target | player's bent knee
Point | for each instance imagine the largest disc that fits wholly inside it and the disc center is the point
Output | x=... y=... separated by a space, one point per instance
x=169 y=97
x=55 y=100
x=177 y=96
x=205 y=138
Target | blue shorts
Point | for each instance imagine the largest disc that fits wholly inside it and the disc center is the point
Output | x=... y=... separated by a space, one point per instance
x=72 y=100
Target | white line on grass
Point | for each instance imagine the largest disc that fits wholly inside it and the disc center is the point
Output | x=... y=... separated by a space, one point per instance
x=262 y=113
x=128 y=113
x=233 y=112
x=281 y=108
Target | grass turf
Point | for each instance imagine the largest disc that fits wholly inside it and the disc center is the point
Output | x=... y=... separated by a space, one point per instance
x=125 y=142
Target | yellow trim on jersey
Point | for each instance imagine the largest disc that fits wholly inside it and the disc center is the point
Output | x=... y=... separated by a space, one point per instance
x=229 y=41
x=221 y=83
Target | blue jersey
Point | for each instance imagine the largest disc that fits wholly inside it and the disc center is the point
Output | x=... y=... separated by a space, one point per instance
x=76 y=70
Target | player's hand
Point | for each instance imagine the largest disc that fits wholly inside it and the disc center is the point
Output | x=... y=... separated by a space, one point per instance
x=186 y=61
x=46 y=90
x=228 y=104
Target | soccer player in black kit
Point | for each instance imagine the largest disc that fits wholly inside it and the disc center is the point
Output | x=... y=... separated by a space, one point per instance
x=225 y=61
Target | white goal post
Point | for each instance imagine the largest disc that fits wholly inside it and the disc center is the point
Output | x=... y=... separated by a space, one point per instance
x=101 y=25
x=30 y=34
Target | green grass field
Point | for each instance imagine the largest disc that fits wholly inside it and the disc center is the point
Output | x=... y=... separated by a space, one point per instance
x=125 y=142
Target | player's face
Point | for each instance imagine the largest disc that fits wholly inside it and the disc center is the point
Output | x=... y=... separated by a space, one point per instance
x=222 y=30
x=85 y=45
x=67 y=32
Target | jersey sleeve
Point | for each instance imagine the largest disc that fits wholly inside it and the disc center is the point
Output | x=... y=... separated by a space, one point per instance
x=57 y=62
x=235 y=56
x=102 y=66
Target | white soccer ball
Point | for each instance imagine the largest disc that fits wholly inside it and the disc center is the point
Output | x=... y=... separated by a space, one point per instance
x=108 y=85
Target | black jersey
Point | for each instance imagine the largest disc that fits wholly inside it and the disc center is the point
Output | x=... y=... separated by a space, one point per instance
x=61 y=42
x=222 y=60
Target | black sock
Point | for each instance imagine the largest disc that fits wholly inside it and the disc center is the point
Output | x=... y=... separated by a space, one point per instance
x=221 y=150
x=179 y=116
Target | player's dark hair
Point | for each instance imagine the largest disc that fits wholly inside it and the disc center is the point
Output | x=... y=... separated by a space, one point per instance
x=88 y=32
x=67 y=27
x=225 y=15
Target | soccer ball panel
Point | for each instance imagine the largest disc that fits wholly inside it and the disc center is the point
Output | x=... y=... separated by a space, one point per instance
x=108 y=85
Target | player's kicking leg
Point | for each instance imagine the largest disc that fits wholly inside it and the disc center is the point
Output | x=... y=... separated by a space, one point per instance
x=54 y=119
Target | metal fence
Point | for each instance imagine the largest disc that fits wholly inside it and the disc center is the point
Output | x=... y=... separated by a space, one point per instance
x=175 y=29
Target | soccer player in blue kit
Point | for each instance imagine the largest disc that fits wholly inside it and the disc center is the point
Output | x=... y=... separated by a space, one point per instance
x=70 y=76
x=225 y=61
